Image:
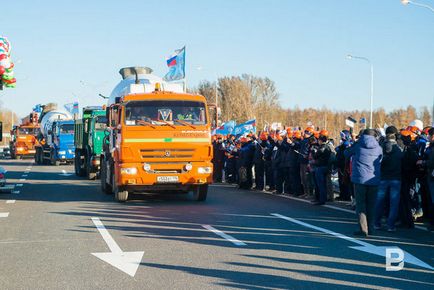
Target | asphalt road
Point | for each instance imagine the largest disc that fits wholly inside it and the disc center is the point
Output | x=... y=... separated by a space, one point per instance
x=52 y=225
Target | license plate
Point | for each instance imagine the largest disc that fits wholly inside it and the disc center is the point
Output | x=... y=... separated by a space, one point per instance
x=32 y=151
x=167 y=179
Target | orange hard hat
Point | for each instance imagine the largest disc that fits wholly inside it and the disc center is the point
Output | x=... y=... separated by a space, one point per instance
x=309 y=130
x=324 y=133
x=289 y=130
x=279 y=137
x=408 y=133
x=263 y=136
x=316 y=134
x=243 y=140
x=413 y=129
x=426 y=130
x=297 y=135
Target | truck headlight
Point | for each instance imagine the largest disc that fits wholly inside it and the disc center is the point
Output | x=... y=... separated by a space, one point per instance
x=62 y=152
x=188 y=167
x=147 y=167
x=204 y=170
x=130 y=171
x=20 y=149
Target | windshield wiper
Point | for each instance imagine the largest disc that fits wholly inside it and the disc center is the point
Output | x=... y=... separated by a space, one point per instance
x=145 y=123
x=185 y=123
x=167 y=123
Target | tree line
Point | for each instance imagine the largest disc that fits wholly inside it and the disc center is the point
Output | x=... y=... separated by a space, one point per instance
x=247 y=97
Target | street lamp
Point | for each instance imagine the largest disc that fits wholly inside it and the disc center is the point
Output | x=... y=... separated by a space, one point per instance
x=351 y=57
x=406 y=2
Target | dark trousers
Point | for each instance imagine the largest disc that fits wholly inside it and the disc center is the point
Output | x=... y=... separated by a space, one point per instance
x=405 y=204
x=218 y=171
x=259 y=175
x=344 y=185
x=269 y=175
x=366 y=196
x=321 y=182
x=282 y=178
x=294 y=180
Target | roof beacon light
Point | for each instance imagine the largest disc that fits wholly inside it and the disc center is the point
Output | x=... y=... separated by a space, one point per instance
x=157 y=87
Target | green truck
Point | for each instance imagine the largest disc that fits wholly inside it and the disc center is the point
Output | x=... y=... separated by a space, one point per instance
x=88 y=140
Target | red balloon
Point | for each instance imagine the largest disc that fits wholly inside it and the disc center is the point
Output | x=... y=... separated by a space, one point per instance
x=2 y=70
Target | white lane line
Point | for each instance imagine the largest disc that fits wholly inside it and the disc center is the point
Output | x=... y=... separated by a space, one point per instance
x=339 y=208
x=10 y=201
x=15 y=192
x=4 y=214
x=421 y=228
x=224 y=236
x=22 y=179
x=19 y=184
x=363 y=246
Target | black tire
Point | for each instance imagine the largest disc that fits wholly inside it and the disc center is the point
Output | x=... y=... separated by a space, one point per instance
x=13 y=155
x=200 y=192
x=90 y=174
x=77 y=163
x=38 y=156
x=121 y=195
x=106 y=188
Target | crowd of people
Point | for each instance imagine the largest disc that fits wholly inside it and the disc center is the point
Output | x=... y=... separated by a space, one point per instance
x=385 y=174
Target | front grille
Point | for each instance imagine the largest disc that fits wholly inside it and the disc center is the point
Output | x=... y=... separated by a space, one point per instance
x=166 y=153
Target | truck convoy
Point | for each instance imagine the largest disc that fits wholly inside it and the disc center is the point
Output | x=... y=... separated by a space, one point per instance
x=88 y=138
x=56 y=140
x=23 y=137
x=158 y=138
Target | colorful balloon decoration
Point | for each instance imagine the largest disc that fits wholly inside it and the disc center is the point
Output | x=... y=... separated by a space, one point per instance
x=7 y=78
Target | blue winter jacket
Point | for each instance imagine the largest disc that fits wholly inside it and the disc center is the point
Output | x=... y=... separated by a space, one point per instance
x=366 y=156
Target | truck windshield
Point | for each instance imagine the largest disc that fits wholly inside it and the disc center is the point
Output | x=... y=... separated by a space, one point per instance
x=100 y=123
x=67 y=129
x=165 y=112
x=27 y=131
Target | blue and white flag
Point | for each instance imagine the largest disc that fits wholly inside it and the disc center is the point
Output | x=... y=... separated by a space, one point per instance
x=176 y=64
x=72 y=108
x=245 y=128
x=225 y=129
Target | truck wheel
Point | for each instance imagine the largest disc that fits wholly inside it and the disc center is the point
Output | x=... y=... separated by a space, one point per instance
x=38 y=156
x=106 y=188
x=121 y=195
x=200 y=192
x=13 y=155
x=90 y=175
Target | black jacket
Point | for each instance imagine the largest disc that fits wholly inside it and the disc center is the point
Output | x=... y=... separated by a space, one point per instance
x=391 y=165
x=321 y=155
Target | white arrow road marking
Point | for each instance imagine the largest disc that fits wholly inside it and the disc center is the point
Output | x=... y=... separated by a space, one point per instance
x=127 y=262
x=64 y=173
x=4 y=214
x=10 y=201
x=365 y=247
x=224 y=236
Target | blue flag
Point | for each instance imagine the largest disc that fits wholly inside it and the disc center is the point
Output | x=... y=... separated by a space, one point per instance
x=245 y=128
x=176 y=64
x=225 y=129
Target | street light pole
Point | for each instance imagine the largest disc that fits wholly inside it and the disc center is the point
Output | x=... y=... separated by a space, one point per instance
x=406 y=2
x=349 y=56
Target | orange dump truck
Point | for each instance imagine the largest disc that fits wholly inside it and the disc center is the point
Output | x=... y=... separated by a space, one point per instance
x=158 y=138
x=23 y=137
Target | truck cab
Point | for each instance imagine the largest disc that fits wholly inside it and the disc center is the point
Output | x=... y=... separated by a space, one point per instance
x=88 y=139
x=157 y=142
x=23 y=141
x=62 y=136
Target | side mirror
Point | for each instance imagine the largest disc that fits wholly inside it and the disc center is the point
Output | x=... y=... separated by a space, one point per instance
x=1 y=131
x=117 y=100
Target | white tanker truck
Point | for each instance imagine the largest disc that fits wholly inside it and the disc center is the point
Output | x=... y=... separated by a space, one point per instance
x=56 y=137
